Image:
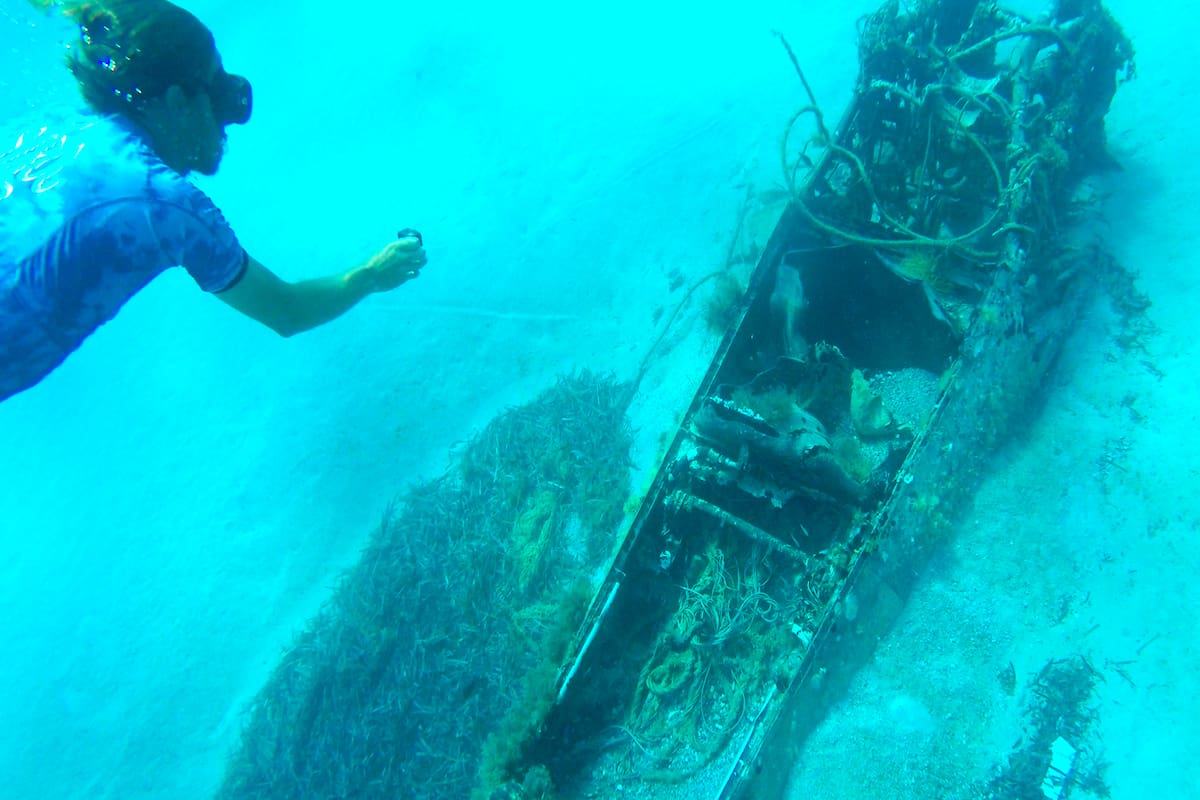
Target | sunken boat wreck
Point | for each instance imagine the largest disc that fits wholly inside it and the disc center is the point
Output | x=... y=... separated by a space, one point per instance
x=521 y=628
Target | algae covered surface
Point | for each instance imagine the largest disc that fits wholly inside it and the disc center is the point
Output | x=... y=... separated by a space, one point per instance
x=435 y=658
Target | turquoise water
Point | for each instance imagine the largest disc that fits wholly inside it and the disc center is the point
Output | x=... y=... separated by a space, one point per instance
x=179 y=496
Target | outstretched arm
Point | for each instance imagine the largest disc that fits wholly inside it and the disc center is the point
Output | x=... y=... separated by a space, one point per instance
x=291 y=308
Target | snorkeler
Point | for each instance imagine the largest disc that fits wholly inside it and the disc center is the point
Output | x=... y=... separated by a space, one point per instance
x=95 y=204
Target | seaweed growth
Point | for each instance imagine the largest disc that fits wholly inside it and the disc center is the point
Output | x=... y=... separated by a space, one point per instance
x=721 y=308
x=426 y=673
x=714 y=662
x=1059 y=751
x=971 y=126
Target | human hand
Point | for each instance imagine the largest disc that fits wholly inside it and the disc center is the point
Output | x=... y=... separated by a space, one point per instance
x=397 y=263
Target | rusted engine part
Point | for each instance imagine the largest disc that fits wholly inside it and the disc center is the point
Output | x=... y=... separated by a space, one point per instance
x=969 y=127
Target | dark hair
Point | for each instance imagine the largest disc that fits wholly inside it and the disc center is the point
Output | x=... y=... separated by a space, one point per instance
x=134 y=50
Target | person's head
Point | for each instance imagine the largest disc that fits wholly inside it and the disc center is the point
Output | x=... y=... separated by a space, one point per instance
x=157 y=65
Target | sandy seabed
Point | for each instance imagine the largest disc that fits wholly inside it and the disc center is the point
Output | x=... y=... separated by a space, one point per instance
x=178 y=498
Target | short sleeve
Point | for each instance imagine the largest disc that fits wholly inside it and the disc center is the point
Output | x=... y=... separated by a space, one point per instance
x=193 y=233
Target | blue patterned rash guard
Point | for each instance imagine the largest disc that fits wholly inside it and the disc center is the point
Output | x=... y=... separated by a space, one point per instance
x=88 y=216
